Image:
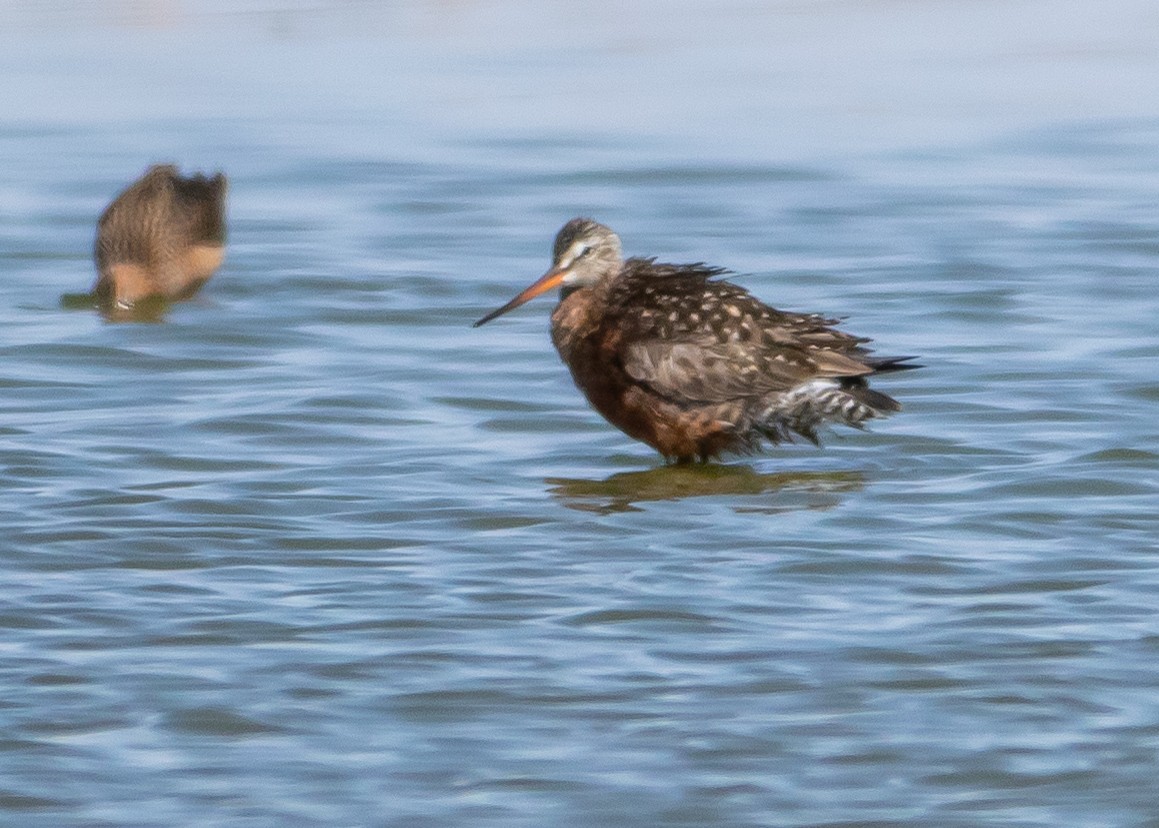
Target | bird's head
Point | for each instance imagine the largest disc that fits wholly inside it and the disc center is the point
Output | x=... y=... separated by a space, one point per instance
x=585 y=253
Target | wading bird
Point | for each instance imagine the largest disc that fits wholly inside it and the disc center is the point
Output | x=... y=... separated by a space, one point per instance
x=161 y=238
x=691 y=364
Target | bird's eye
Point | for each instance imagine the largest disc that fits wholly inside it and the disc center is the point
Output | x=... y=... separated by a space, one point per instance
x=583 y=251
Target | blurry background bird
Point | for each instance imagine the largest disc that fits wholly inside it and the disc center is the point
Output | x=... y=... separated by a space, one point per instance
x=161 y=238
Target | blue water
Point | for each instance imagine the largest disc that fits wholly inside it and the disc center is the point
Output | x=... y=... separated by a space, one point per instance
x=312 y=550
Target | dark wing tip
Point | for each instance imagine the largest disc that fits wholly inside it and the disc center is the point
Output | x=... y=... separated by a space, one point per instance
x=882 y=365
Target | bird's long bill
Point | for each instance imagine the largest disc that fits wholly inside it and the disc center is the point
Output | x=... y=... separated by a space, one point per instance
x=552 y=279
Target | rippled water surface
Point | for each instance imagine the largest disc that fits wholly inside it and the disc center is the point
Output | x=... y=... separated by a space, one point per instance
x=309 y=549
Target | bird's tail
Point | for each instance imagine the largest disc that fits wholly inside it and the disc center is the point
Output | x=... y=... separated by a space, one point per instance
x=804 y=408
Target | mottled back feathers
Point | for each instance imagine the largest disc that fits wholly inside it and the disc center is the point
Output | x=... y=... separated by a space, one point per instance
x=693 y=337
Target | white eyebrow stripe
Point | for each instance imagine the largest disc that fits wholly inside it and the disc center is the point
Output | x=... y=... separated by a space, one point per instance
x=572 y=253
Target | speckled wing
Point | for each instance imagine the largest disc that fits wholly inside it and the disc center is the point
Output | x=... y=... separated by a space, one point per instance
x=694 y=339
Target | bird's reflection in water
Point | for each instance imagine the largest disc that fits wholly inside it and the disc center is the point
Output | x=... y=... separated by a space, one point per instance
x=622 y=491
x=151 y=309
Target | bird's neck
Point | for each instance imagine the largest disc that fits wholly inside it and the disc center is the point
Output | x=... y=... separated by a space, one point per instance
x=568 y=291
x=576 y=316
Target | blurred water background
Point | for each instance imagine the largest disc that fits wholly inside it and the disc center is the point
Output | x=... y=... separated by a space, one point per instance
x=310 y=550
